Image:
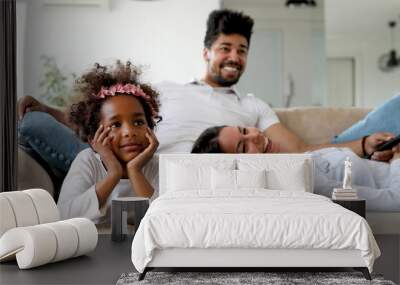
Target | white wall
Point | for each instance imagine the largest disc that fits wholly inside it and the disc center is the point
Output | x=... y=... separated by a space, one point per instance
x=164 y=35
x=358 y=28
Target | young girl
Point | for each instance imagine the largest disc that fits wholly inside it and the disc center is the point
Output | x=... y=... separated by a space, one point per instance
x=116 y=117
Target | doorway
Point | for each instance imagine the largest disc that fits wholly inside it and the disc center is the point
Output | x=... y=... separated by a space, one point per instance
x=341 y=82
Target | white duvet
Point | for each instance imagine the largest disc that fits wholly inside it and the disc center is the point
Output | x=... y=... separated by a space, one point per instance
x=250 y=219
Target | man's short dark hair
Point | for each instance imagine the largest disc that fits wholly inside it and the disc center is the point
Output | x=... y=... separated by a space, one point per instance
x=227 y=22
x=207 y=142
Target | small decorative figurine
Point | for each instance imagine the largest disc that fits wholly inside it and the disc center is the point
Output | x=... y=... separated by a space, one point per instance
x=347 y=174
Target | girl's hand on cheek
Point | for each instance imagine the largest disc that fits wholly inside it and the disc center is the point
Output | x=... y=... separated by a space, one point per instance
x=137 y=163
x=101 y=143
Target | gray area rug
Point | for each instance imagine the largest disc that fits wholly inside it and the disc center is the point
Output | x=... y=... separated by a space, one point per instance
x=269 y=278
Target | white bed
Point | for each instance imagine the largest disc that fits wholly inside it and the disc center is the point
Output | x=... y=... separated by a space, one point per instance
x=203 y=219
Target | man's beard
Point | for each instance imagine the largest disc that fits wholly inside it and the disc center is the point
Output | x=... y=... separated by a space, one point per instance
x=223 y=81
x=217 y=78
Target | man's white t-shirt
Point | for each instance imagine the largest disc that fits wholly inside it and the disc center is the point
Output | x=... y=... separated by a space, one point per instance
x=187 y=110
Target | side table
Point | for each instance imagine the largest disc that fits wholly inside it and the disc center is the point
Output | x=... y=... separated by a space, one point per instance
x=357 y=206
x=119 y=215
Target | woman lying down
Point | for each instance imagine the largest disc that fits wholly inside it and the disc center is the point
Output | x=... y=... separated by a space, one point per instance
x=377 y=182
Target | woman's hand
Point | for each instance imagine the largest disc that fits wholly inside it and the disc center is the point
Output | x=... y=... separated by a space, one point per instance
x=396 y=152
x=373 y=141
x=101 y=143
x=137 y=163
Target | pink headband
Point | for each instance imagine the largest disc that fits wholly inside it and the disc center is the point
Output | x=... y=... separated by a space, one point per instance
x=124 y=89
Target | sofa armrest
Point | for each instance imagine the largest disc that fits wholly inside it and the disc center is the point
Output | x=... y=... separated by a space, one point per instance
x=31 y=174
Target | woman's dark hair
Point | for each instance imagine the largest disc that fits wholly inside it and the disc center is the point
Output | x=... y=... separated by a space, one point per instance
x=207 y=142
x=227 y=22
x=85 y=115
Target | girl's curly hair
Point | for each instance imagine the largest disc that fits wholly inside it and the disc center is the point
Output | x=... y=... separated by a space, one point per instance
x=85 y=115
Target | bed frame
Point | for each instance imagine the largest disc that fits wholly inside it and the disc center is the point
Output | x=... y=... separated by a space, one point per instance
x=260 y=259
x=234 y=259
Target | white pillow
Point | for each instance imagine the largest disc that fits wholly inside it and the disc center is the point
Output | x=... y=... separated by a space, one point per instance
x=283 y=172
x=193 y=175
x=293 y=180
x=183 y=178
x=223 y=179
x=251 y=178
x=237 y=179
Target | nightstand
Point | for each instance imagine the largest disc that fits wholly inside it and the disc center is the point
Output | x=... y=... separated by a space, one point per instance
x=357 y=206
x=119 y=215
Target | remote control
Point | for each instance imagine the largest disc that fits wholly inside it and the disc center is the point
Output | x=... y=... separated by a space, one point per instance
x=386 y=145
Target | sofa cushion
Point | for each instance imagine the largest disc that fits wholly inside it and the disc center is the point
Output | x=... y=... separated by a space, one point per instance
x=381 y=119
x=317 y=125
x=31 y=174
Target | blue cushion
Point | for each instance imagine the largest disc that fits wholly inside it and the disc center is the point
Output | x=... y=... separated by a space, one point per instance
x=384 y=118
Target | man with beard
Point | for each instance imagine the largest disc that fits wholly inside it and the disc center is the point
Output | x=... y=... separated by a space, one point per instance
x=187 y=109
